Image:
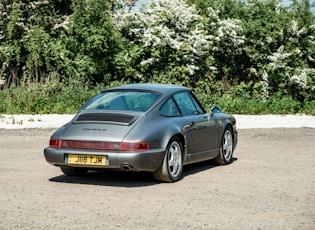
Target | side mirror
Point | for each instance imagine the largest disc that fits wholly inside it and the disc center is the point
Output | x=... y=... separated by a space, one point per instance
x=215 y=109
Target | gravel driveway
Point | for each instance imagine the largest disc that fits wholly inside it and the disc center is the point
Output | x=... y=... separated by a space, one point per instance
x=269 y=185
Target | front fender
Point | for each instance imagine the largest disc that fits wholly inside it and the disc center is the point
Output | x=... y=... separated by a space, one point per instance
x=227 y=121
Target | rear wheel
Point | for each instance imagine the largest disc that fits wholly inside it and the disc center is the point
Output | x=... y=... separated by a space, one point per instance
x=172 y=165
x=73 y=171
x=226 y=149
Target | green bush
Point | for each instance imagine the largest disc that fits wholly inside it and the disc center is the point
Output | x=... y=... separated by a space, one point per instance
x=62 y=97
x=274 y=105
x=50 y=97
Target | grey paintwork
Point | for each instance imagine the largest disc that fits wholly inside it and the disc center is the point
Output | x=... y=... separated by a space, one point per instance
x=201 y=134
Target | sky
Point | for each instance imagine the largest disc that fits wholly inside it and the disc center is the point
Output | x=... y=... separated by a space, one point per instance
x=140 y=2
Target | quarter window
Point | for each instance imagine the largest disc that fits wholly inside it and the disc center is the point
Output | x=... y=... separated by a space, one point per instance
x=169 y=109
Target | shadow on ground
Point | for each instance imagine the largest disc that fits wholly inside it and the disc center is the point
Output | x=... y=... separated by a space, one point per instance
x=128 y=179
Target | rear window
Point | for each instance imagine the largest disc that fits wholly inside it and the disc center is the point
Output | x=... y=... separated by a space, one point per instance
x=123 y=100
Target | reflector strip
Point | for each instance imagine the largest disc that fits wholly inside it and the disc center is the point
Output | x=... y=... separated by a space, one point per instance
x=90 y=145
x=99 y=145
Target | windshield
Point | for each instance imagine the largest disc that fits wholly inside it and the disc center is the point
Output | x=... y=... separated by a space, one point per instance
x=122 y=100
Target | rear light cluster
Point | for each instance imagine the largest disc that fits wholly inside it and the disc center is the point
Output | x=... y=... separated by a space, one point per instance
x=99 y=145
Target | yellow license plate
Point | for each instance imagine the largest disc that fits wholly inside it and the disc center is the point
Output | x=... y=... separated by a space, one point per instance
x=76 y=159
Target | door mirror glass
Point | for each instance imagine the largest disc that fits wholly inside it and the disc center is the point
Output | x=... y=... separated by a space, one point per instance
x=215 y=109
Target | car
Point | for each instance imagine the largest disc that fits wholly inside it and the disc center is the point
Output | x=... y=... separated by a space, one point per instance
x=155 y=128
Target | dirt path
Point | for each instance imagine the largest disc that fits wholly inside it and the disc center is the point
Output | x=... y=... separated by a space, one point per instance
x=270 y=185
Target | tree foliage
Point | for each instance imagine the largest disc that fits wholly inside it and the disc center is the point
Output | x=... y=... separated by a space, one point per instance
x=255 y=50
x=278 y=50
x=27 y=35
x=40 y=38
x=166 y=42
x=94 y=41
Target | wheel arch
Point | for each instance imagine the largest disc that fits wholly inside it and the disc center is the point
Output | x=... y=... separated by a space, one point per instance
x=172 y=166
x=179 y=135
x=229 y=126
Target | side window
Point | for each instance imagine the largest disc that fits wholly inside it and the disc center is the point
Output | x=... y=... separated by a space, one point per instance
x=169 y=109
x=187 y=104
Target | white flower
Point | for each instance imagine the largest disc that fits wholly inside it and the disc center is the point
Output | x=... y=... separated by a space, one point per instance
x=278 y=58
x=265 y=86
x=191 y=69
x=148 y=61
x=226 y=33
x=300 y=79
x=253 y=70
x=63 y=25
x=279 y=7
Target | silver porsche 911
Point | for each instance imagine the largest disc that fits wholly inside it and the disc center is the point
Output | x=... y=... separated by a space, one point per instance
x=156 y=128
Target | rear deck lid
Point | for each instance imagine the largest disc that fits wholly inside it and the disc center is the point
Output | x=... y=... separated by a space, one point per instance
x=101 y=126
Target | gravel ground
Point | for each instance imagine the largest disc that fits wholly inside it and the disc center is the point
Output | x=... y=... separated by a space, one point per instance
x=269 y=185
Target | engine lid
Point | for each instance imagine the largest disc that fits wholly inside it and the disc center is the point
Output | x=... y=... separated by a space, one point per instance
x=101 y=126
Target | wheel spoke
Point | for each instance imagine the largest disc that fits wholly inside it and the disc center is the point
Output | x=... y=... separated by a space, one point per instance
x=171 y=160
x=227 y=145
x=174 y=160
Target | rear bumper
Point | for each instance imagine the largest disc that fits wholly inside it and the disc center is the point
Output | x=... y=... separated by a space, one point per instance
x=138 y=161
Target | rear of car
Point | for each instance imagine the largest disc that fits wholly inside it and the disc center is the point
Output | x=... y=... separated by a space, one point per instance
x=97 y=137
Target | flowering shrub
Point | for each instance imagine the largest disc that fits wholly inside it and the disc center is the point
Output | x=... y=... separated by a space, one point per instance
x=168 y=38
x=294 y=69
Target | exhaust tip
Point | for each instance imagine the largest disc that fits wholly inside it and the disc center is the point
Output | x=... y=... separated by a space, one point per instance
x=126 y=167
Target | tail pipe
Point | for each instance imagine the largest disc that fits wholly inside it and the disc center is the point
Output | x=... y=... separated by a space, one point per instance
x=126 y=167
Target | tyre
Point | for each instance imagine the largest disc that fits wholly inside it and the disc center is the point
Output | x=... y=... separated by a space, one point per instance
x=73 y=171
x=172 y=166
x=226 y=149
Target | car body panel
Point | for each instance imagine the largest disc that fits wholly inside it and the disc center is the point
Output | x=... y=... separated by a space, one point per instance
x=138 y=161
x=97 y=130
x=200 y=133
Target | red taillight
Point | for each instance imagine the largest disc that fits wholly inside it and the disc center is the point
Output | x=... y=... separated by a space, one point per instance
x=99 y=145
x=125 y=146
x=54 y=143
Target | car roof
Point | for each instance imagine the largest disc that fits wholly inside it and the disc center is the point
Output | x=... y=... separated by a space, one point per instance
x=163 y=88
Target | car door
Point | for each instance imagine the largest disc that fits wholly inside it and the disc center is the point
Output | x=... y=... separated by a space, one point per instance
x=201 y=129
x=204 y=133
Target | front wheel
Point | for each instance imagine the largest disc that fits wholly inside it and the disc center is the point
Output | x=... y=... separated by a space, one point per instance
x=172 y=166
x=226 y=149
